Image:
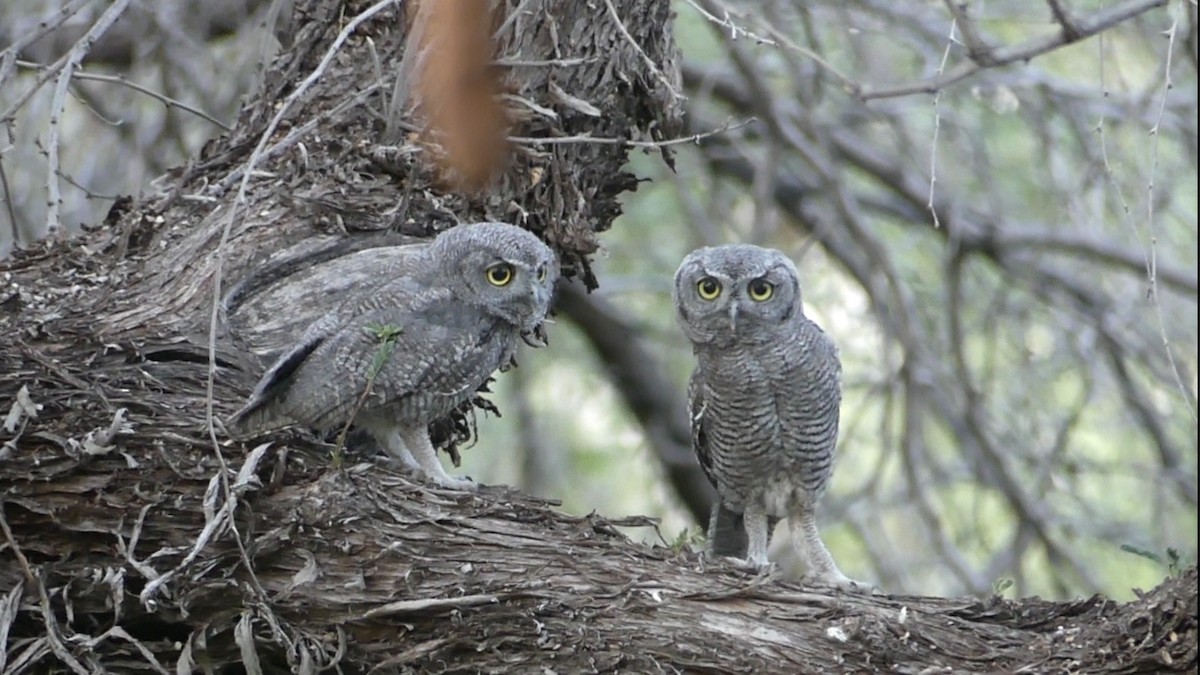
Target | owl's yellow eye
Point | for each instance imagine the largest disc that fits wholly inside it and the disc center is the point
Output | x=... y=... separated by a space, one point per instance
x=541 y=274
x=708 y=288
x=499 y=274
x=761 y=290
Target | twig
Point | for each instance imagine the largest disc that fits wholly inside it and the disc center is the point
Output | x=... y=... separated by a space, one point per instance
x=1152 y=268
x=1063 y=17
x=428 y=605
x=729 y=125
x=1088 y=26
x=8 y=204
x=293 y=137
x=777 y=38
x=45 y=27
x=612 y=12
x=238 y=207
x=12 y=543
x=977 y=47
x=117 y=79
x=73 y=59
x=386 y=334
x=937 y=128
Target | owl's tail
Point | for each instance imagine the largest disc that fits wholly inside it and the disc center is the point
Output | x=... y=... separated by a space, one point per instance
x=254 y=419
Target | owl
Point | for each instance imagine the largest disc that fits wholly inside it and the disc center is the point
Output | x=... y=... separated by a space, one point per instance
x=763 y=401
x=406 y=351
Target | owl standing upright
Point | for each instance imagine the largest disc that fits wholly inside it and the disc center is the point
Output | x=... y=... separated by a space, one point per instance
x=763 y=400
x=406 y=352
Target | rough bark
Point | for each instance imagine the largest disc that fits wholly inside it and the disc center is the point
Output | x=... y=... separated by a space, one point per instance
x=135 y=540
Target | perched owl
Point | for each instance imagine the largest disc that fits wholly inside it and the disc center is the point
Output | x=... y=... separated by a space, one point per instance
x=763 y=401
x=411 y=349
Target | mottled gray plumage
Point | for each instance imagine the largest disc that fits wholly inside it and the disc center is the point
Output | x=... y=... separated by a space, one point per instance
x=421 y=343
x=763 y=400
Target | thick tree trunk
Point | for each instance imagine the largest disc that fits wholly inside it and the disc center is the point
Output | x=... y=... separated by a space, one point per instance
x=136 y=540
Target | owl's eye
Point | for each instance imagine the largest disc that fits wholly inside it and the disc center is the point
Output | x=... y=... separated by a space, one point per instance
x=541 y=274
x=499 y=274
x=708 y=288
x=761 y=290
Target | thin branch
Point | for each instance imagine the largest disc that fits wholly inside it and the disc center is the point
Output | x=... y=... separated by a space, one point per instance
x=650 y=64
x=117 y=79
x=729 y=125
x=778 y=38
x=1152 y=269
x=72 y=61
x=937 y=127
x=45 y=27
x=1088 y=26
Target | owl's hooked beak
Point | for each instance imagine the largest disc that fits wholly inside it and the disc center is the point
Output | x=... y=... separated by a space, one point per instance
x=733 y=312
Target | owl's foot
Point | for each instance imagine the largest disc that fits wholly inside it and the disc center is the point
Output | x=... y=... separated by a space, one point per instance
x=449 y=482
x=765 y=567
x=839 y=581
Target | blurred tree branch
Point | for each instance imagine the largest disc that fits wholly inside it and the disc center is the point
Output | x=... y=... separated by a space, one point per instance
x=656 y=402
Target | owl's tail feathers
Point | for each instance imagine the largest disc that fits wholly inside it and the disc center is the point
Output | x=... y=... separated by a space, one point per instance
x=727 y=532
x=259 y=415
x=255 y=418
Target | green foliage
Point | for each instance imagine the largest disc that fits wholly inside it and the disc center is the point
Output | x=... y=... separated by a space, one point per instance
x=688 y=539
x=1170 y=559
x=1001 y=585
x=386 y=334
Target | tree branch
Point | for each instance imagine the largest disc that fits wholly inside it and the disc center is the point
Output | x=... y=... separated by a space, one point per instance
x=1084 y=27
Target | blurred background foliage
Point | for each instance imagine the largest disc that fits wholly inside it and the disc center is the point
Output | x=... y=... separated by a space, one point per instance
x=1007 y=260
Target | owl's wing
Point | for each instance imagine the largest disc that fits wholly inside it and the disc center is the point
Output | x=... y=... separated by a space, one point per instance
x=259 y=415
x=437 y=347
x=696 y=417
x=267 y=408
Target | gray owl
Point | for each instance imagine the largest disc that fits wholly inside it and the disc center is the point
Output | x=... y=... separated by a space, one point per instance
x=763 y=400
x=408 y=350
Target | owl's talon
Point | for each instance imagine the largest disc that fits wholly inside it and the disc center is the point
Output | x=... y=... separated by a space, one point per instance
x=765 y=567
x=448 y=482
x=840 y=582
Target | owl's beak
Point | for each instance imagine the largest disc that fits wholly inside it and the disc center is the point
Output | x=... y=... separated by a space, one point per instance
x=733 y=312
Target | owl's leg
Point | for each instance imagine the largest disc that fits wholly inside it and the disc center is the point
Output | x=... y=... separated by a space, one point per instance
x=758 y=535
x=417 y=440
x=395 y=447
x=819 y=563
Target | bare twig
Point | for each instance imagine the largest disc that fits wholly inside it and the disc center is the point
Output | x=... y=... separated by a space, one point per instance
x=650 y=64
x=729 y=125
x=1088 y=26
x=117 y=79
x=937 y=126
x=70 y=63
x=1152 y=267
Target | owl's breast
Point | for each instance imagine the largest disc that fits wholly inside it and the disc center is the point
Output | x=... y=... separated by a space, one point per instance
x=459 y=367
x=768 y=432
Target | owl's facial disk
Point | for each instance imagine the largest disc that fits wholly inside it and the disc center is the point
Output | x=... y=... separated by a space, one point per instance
x=515 y=286
x=504 y=270
x=734 y=293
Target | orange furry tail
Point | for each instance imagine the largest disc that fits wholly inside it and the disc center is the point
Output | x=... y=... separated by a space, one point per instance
x=459 y=89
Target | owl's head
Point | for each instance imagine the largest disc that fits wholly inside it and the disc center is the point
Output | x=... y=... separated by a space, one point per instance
x=500 y=268
x=735 y=292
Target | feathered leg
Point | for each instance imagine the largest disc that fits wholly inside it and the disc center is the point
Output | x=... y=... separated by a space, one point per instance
x=417 y=440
